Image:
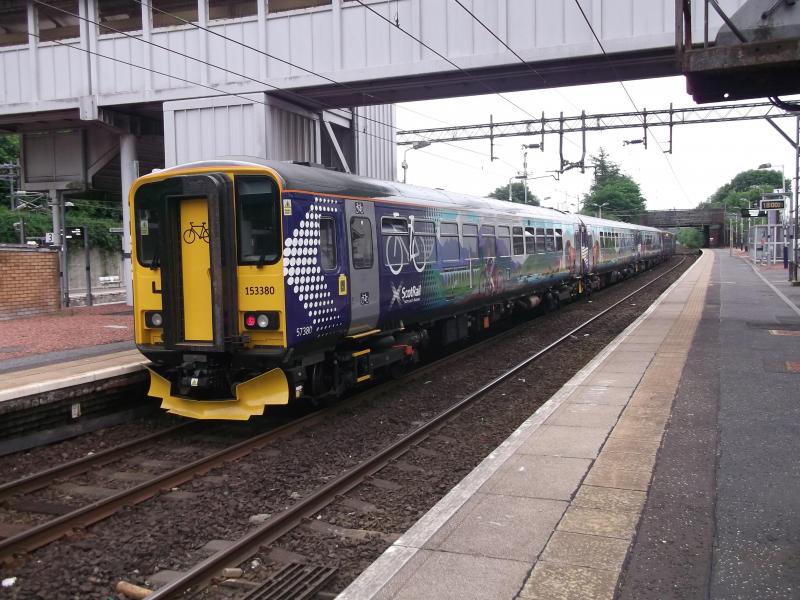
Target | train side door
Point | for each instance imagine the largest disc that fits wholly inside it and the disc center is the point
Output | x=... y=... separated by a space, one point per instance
x=364 y=282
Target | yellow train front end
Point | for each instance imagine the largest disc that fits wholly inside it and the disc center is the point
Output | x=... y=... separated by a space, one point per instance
x=208 y=288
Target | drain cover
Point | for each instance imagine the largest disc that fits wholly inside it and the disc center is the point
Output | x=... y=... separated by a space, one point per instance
x=295 y=581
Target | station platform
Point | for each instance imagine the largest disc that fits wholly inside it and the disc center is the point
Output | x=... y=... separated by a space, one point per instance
x=666 y=468
x=66 y=373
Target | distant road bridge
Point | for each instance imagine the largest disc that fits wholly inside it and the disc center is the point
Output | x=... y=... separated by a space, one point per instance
x=710 y=220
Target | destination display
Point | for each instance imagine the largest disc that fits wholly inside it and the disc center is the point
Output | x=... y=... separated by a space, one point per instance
x=773 y=204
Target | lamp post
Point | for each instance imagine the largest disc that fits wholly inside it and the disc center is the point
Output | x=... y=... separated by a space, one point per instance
x=414 y=146
x=510 y=180
x=600 y=209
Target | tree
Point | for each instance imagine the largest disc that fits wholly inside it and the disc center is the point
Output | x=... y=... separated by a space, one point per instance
x=9 y=154
x=518 y=190
x=616 y=193
x=745 y=189
x=690 y=237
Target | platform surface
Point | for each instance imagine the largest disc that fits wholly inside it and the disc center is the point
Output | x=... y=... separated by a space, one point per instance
x=76 y=346
x=612 y=487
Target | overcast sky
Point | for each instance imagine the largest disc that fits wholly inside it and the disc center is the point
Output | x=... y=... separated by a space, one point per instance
x=704 y=156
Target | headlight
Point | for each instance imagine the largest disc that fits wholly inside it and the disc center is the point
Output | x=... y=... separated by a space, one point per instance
x=262 y=321
x=153 y=319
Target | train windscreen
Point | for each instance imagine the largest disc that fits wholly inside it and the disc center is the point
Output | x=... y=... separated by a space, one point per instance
x=258 y=220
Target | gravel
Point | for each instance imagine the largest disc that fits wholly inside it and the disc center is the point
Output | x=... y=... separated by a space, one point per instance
x=168 y=531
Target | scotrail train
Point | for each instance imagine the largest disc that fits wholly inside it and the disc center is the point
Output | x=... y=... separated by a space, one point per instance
x=257 y=283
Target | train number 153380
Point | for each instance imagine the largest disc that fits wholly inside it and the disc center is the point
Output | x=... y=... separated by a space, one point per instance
x=259 y=290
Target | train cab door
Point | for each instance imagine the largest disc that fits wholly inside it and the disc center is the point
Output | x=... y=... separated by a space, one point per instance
x=364 y=282
x=195 y=274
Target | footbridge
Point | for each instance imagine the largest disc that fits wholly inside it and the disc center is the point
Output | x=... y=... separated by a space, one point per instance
x=103 y=89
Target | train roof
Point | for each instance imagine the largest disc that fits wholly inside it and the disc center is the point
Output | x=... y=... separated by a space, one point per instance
x=619 y=224
x=325 y=181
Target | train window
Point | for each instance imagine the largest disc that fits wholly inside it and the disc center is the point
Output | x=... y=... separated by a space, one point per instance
x=425 y=235
x=519 y=241
x=503 y=241
x=449 y=241
x=361 y=242
x=540 y=248
x=488 y=241
x=327 y=243
x=559 y=241
x=148 y=222
x=448 y=229
x=530 y=240
x=259 y=225
x=549 y=241
x=394 y=225
x=470 y=240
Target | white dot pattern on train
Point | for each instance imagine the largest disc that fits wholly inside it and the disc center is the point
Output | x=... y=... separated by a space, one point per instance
x=302 y=270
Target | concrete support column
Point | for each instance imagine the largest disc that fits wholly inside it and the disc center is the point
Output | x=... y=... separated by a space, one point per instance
x=147 y=34
x=263 y=64
x=33 y=51
x=128 y=173
x=202 y=21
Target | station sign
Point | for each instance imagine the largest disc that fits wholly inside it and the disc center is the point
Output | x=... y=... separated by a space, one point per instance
x=74 y=233
x=773 y=204
x=748 y=213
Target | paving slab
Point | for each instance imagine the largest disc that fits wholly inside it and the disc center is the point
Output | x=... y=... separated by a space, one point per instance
x=450 y=576
x=585 y=415
x=557 y=440
x=607 y=523
x=554 y=581
x=582 y=550
x=505 y=527
x=530 y=476
x=610 y=499
x=589 y=394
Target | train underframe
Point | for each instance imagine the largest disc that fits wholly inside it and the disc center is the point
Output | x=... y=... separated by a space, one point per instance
x=240 y=384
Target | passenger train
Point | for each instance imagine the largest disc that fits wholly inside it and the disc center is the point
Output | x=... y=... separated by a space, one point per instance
x=260 y=282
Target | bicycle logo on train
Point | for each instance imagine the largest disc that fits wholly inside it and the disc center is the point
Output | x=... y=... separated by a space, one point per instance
x=195 y=232
x=402 y=250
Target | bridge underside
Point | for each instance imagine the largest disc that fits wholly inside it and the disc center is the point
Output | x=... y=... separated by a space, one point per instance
x=642 y=64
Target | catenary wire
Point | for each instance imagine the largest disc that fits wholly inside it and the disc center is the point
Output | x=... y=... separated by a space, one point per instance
x=218 y=92
x=636 y=108
x=443 y=57
x=510 y=49
x=377 y=99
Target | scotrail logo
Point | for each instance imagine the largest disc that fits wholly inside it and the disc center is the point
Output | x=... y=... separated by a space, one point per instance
x=405 y=295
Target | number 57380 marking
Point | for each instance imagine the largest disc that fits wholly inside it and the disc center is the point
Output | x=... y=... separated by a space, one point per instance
x=259 y=290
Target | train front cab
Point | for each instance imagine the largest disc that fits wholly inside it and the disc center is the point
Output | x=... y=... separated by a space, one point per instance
x=208 y=290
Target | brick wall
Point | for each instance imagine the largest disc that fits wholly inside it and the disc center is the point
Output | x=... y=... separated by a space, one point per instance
x=28 y=281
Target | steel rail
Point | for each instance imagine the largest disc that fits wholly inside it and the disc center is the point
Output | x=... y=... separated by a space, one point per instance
x=36 y=481
x=287 y=520
x=50 y=531
x=47 y=532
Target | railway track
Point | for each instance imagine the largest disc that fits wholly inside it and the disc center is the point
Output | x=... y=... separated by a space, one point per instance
x=284 y=522
x=40 y=535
